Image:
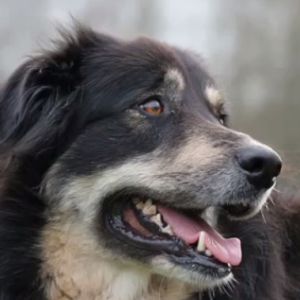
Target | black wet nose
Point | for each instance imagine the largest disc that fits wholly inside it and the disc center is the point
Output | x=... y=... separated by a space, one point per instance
x=260 y=164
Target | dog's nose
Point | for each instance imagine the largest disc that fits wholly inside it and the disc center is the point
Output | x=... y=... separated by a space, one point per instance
x=260 y=164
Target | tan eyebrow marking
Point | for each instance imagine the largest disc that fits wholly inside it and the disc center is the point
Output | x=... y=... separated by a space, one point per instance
x=174 y=78
x=214 y=96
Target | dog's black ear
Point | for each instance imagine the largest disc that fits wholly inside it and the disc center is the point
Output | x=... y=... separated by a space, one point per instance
x=40 y=96
x=39 y=104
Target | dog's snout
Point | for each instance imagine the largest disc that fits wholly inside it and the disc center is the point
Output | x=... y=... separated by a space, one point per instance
x=261 y=165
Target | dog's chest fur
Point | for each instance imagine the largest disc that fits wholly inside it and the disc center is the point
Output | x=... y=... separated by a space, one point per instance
x=73 y=269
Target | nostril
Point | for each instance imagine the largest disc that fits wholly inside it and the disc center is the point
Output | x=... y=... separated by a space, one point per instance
x=260 y=164
x=252 y=165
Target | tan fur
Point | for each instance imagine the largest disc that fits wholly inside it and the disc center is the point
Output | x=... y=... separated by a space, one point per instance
x=140 y=171
x=197 y=152
x=174 y=79
x=214 y=97
x=75 y=268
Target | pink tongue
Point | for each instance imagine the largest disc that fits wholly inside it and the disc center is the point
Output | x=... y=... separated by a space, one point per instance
x=225 y=250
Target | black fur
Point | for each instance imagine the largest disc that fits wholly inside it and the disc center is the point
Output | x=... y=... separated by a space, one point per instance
x=44 y=107
x=270 y=268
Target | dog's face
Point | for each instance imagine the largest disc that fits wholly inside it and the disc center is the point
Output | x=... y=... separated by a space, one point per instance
x=151 y=162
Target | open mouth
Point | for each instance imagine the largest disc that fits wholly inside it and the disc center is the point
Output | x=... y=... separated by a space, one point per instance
x=184 y=236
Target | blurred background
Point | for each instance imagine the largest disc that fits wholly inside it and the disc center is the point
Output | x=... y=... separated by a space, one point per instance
x=251 y=47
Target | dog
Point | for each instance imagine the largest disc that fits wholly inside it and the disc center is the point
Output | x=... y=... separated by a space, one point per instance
x=121 y=180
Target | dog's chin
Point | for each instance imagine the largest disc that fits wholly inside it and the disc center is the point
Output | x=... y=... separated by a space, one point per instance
x=180 y=243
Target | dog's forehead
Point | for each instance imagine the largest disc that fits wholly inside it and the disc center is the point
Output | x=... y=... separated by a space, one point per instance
x=144 y=67
x=175 y=80
x=201 y=81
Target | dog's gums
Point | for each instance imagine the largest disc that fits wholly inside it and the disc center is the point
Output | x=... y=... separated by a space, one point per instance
x=186 y=235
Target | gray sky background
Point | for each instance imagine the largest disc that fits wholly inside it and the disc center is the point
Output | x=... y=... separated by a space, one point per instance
x=251 y=47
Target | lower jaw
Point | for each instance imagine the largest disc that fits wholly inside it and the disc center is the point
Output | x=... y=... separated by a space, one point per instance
x=194 y=277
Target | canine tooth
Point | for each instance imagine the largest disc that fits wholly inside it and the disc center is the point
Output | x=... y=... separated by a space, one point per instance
x=168 y=230
x=157 y=220
x=201 y=242
x=229 y=265
x=208 y=252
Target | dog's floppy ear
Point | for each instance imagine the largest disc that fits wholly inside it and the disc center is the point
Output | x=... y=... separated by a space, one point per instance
x=38 y=105
x=40 y=96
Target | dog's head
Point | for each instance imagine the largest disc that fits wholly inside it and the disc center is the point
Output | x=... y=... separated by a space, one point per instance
x=128 y=143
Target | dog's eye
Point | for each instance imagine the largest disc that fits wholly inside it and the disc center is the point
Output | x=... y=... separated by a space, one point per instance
x=152 y=107
x=223 y=119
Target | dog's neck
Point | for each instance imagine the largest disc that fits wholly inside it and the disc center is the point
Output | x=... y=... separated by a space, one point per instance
x=74 y=269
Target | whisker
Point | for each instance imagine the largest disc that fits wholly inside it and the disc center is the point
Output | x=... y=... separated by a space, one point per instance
x=276 y=190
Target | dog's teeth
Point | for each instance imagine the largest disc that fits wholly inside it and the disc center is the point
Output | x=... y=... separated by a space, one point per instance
x=168 y=230
x=208 y=252
x=140 y=205
x=149 y=209
x=157 y=220
x=229 y=265
x=201 y=242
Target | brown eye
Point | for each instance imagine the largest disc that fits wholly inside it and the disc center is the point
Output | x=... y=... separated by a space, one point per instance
x=152 y=108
